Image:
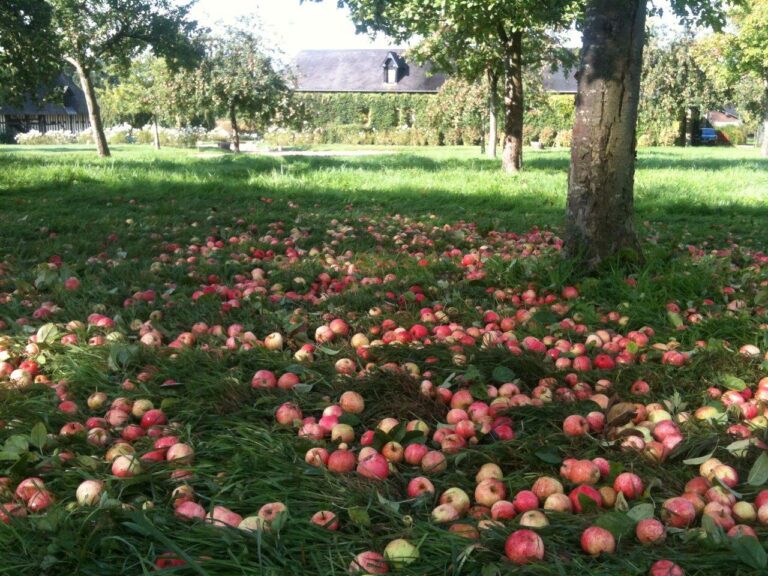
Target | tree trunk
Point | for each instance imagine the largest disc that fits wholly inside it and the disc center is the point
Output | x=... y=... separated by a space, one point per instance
x=682 y=132
x=235 y=130
x=493 y=136
x=695 y=126
x=157 y=132
x=94 y=113
x=764 y=147
x=512 y=155
x=600 y=207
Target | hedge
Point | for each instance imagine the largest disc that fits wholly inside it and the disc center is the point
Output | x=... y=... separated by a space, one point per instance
x=457 y=115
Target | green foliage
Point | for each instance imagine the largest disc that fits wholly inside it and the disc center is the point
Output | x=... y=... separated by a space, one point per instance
x=146 y=90
x=240 y=78
x=28 y=54
x=458 y=112
x=675 y=78
x=454 y=116
x=114 y=32
x=555 y=111
x=735 y=135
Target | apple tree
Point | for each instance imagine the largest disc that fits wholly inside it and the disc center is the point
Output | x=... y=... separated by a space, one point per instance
x=488 y=37
x=750 y=50
x=93 y=34
x=240 y=80
x=600 y=206
x=28 y=48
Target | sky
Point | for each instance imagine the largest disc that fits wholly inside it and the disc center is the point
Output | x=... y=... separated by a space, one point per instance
x=294 y=26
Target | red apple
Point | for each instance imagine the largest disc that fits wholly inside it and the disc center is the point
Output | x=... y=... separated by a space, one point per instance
x=628 y=484
x=650 y=531
x=374 y=467
x=418 y=486
x=341 y=461
x=189 y=510
x=326 y=519
x=678 y=512
x=369 y=562
x=596 y=541
x=524 y=547
x=490 y=491
x=588 y=492
x=665 y=568
x=414 y=453
x=126 y=466
x=503 y=510
x=575 y=425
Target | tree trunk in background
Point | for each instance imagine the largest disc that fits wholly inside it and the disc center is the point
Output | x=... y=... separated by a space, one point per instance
x=600 y=207
x=682 y=132
x=512 y=154
x=695 y=126
x=493 y=136
x=764 y=147
x=235 y=130
x=157 y=132
x=94 y=113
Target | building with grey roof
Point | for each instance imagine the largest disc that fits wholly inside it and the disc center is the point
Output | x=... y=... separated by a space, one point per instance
x=61 y=108
x=385 y=71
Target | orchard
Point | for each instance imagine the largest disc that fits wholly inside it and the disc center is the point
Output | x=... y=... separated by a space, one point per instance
x=284 y=387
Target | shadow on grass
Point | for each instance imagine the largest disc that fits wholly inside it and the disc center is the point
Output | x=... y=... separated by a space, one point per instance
x=228 y=183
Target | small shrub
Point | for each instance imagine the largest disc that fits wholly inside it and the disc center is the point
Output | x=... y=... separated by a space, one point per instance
x=668 y=136
x=564 y=138
x=530 y=134
x=53 y=137
x=120 y=134
x=733 y=135
x=547 y=136
x=645 y=140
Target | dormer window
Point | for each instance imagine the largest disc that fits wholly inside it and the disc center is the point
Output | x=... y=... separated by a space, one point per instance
x=391 y=75
x=393 y=69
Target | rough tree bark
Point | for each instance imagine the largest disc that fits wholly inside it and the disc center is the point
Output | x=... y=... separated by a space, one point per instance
x=94 y=112
x=512 y=154
x=235 y=130
x=600 y=207
x=493 y=139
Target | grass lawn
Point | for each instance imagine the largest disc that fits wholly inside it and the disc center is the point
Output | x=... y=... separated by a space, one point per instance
x=450 y=273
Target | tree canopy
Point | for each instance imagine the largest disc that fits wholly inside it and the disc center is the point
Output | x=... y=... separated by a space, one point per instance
x=28 y=48
x=94 y=34
x=470 y=38
x=240 y=80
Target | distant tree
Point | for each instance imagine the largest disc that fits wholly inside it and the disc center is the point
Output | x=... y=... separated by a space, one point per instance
x=750 y=51
x=146 y=92
x=96 y=33
x=239 y=80
x=717 y=55
x=600 y=206
x=28 y=48
x=487 y=37
x=674 y=82
x=449 y=51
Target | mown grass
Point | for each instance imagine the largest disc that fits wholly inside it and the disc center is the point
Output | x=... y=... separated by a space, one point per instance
x=111 y=219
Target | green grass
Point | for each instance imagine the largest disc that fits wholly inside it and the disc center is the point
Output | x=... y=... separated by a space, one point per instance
x=113 y=223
